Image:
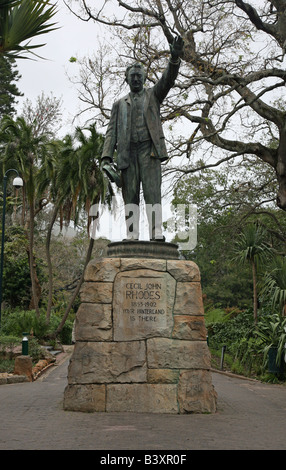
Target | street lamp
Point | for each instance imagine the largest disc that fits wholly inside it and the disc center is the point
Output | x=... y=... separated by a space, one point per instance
x=17 y=183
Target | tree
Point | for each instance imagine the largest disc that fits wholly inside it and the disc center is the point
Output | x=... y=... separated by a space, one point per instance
x=81 y=183
x=251 y=247
x=229 y=100
x=16 y=273
x=220 y=216
x=64 y=176
x=23 y=150
x=22 y=20
x=8 y=88
x=45 y=115
x=276 y=12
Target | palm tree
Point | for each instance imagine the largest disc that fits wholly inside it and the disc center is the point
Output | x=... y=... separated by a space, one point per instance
x=46 y=186
x=252 y=248
x=274 y=284
x=81 y=183
x=23 y=150
x=22 y=20
x=65 y=173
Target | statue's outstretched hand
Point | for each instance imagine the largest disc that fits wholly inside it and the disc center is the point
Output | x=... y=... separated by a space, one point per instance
x=177 y=48
x=106 y=163
x=111 y=172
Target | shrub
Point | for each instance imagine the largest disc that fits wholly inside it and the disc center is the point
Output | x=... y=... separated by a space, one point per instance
x=215 y=315
x=18 y=321
x=8 y=344
x=243 y=347
x=65 y=336
x=231 y=330
x=7 y=365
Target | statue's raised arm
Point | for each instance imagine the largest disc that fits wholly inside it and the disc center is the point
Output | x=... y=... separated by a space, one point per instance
x=168 y=78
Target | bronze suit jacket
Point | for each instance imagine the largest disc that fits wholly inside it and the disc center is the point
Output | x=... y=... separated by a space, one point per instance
x=118 y=133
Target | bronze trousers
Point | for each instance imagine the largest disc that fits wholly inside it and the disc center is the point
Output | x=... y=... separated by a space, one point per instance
x=143 y=170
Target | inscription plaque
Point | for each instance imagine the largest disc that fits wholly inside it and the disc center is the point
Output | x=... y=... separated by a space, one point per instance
x=145 y=301
x=142 y=306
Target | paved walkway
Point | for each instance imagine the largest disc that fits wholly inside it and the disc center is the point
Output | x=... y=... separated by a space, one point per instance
x=250 y=415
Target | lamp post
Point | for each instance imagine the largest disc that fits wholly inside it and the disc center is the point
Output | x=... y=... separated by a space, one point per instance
x=17 y=182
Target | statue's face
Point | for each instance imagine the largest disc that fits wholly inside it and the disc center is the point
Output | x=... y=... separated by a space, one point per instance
x=136 y=79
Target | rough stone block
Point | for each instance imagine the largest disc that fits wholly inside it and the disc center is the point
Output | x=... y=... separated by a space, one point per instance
x=97 y=292
x=189 y=300
x=164 y=353
x=196 y=393
x=102 y=269
x=186 y=271
x=142 y=398
x=163 y=376
x=93 y=322
x=23 y=366
x=85 y=398
x=17 y=379
x=104 y=362
x=128 y=264
x=190 y=327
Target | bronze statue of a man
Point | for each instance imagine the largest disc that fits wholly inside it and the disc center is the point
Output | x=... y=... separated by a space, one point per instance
x=135 y=132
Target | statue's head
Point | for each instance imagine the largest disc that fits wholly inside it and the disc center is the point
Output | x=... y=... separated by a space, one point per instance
x=135 y=76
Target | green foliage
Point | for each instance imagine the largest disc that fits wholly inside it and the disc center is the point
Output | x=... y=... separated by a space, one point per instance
x=65 y=335
x=272 y=333
x=251 y=245
x=243 y=349
x=269 y=377
x=216 y=315
x=247 y=354
x=7 y=366
x=247 y=345
x=8 y=88
x=225 y=218
x=16 y=272
x=35 y=350
x=230 y=331
x=18 y=321
x=68 y=175
x=274 y=284
x=7 y=345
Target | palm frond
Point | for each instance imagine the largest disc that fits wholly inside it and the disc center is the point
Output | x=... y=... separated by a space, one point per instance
x=274 y=284
x=251 y=245
x=22 y=21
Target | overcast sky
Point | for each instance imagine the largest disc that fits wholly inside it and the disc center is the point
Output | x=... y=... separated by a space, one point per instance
x=49 y=75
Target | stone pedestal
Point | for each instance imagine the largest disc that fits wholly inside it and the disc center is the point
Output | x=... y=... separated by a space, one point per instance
x=140 y=339
x=23 y=366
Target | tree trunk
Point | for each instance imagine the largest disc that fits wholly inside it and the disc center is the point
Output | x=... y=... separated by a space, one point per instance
x=281 y=169
x=36 y=289
x=76 y=292
x=50 y=268
x=254 y=291
x=23 y=214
